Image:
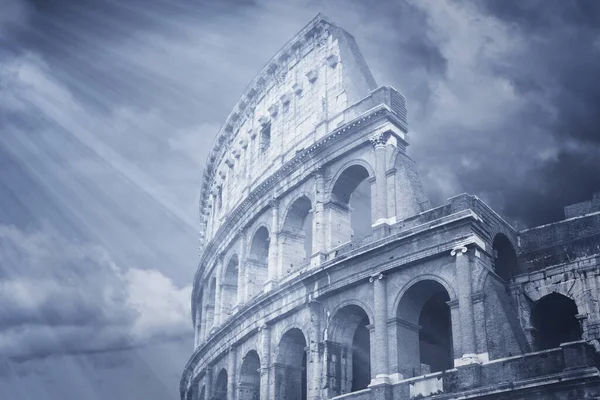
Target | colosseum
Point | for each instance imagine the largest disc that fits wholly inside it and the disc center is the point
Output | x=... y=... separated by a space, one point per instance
x=326 y=273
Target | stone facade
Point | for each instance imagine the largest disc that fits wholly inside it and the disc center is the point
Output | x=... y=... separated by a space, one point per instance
x=325 y=272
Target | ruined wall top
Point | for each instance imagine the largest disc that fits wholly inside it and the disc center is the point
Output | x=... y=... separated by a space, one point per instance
x=297 y=98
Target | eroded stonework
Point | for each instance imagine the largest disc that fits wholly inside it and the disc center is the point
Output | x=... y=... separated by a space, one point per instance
x=325 y=272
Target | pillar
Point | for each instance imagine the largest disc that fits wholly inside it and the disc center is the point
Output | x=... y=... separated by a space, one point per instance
x=197 y=337
x=266 y=388
x=319 y=225
x=379 y=346
x=273 y=267
x=217 y=310
x=381 y=204
x=231 y=373
x=209 y=392
x=313 y=362
x=465 y=307
x=241 y=271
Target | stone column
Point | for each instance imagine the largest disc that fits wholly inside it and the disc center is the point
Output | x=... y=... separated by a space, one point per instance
x=379 y=144
x=209 y=392
x=313 y=363
x=379 y=347
x=198 y=325
x=465 y=307
x=273 y=267
x=217 y=312
x=319 y=224
x=231 y=373
x=241 y=290
x=266 y=384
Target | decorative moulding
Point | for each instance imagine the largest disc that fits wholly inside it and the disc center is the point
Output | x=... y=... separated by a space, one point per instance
x=273 y=110
x=252 y=133
x=312 y=75
x=332 y=60
x=236 y=153
x=263 y=120
x=229 y=162
x=243 y=143
x=297 y=88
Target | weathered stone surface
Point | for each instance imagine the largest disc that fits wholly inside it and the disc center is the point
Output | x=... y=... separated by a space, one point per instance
x=325 y=272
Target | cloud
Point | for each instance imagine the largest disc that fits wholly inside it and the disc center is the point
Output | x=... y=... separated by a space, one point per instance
x=60 y=296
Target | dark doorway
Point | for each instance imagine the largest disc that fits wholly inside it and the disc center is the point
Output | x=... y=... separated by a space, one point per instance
x=554 y=318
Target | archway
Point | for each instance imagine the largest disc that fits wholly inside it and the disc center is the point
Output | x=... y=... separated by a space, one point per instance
x=229 y=287
x=290 y=367
x=505 y=257
x=296 y=236
x=350 y=206
x=249 y=383
x=554 y=319
x=424 y=330
x=257 y=263
x=349 y=351
x=221 y=386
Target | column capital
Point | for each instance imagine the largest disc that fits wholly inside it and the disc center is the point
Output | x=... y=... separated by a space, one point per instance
x=458 y=251
x=376 y=277
x=379 y=140
x=274 y=202
x=241 y=233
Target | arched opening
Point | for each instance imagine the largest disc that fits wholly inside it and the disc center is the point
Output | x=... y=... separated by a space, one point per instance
x=350 y=206
x=424 y=330
x=221 y=386
x=249 y=384
x=257 y=262
x=554 y=319
x=290 y=368
x=349 y=351
x=229 y=287
x=296 y=236
x=505 y=257
x=210 y=304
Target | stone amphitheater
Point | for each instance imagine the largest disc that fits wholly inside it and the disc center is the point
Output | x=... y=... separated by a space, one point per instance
x=326 y=273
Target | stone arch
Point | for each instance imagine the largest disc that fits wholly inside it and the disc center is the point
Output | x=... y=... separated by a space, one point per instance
x=554 y=321
x=257 y=262
x=290 y=367
x=442 y=281
x=351 y=302
x=424 y=328
x=296 y=235
x=229 y=285
x=220 y=389
x=505 y=262
x=351 y=190
x=348 y=350
x=249 y=377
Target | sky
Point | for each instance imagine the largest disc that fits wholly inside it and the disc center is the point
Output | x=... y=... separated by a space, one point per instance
x=108 y=109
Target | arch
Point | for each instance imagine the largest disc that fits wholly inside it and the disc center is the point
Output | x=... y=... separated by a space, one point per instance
x=290 y=366
x=425 y=277
x=554 y=321
x=220 y=390
x=348 y=350
x=249 y=379
x=351 y=302
x=350 y=204
x=229 y=287
x=296 y=235
x=505 y=257
x=257 y=262
x=355 y=162
x=424 y=329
